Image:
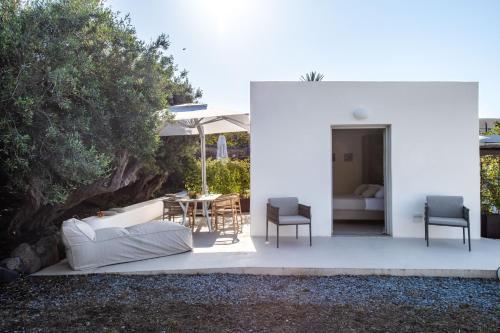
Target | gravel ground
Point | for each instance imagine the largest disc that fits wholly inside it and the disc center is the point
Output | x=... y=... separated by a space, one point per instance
x=220 y=302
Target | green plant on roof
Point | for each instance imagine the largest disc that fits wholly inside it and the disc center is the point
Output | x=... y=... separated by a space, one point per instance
x=312 y=76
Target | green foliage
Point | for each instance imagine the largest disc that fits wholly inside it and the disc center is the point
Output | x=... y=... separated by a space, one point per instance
x=490 y=183
x=495 y=130
x=223 y=176
x=490 y=178
x=238 y=139
x=77 y=88
x=177 y=157
x=312 y=76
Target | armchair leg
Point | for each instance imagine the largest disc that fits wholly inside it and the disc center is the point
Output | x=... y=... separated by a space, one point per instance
x=310 y=236
x=468 y=232
x=427 y=234
x=277 y=235
x=267 y=230
x=463 y=235
x=296 y=231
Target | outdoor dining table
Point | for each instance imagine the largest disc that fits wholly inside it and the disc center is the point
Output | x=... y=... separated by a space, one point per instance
x=205 y=200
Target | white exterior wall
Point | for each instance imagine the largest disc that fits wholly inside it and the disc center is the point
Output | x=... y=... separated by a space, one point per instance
x=291 y=146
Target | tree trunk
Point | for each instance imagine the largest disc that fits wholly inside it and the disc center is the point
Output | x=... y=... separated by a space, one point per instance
x=141 y=190
x=35 y=216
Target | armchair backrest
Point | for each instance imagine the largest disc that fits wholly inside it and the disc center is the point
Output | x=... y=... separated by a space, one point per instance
x=287 y=206
x=445 y=206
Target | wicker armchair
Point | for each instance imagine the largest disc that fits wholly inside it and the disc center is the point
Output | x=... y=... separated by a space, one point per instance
x=285 y=212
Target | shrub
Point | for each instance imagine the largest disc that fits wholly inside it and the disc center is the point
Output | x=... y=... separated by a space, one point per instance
x=490 y=184
x=223 y=176
x=490 y=179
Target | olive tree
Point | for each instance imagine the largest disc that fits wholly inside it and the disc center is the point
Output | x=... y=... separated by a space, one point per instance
x=78 y=99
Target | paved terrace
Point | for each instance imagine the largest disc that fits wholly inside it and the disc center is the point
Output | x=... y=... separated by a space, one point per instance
x=220 y=253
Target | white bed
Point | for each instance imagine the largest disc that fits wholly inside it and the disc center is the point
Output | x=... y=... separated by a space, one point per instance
x=357 y=202
x=358 y=207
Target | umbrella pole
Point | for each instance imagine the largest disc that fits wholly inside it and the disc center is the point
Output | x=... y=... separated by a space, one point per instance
x=204 y=188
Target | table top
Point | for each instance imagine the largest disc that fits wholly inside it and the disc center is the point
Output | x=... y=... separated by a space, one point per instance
x=207 y=197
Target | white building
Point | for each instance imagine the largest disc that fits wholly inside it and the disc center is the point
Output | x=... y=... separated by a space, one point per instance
x=301 y=146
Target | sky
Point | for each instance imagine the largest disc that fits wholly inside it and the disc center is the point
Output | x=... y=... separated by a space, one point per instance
x=225 y=44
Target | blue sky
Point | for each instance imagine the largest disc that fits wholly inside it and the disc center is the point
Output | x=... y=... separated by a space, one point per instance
x=232 y=42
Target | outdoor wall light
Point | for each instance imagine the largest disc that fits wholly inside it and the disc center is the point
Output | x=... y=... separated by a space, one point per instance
x=360 y=114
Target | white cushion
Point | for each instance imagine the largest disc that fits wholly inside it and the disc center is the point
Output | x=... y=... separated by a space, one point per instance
x=110 y=233
x=84 y=228
x=117 y=245
x=76 y=233
x=132 y=215
x=380 y=193
x=360 y=189
x=370 y=191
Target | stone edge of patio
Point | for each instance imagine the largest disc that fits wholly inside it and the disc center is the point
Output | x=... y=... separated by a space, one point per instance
x=309 y=271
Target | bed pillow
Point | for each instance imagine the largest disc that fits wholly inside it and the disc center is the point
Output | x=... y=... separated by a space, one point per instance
x=360 y=189
x=370 y=191
x=380 y=193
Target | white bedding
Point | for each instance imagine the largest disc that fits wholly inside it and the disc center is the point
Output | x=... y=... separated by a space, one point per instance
x=374 y=204
x=356 y=202
x=349 y=202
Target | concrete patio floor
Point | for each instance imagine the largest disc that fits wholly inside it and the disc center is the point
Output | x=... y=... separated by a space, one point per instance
x=376 y=255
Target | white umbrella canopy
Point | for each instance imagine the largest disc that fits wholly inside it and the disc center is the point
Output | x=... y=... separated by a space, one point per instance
x=188 y=117
x=198 y=119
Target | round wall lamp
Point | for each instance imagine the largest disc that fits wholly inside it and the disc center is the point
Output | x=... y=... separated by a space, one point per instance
x=360 y=114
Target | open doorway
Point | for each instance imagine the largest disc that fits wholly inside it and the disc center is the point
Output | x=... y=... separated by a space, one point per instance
x=359 y=184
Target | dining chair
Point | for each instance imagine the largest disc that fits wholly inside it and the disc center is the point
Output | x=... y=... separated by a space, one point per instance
x=172 y=209
x=238 y=213
x=224 y=207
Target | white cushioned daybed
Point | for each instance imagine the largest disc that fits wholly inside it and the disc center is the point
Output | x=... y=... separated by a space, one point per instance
x=366 y=203
x=110 y=240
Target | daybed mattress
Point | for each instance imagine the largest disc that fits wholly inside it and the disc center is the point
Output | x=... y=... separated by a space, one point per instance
x=117 y=245
x=355 y=202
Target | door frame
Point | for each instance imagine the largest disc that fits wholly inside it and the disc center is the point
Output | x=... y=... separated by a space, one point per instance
x=388 y=221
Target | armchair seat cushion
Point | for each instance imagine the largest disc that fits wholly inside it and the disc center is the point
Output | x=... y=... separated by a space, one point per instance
x=294 y=219
x=450 y=221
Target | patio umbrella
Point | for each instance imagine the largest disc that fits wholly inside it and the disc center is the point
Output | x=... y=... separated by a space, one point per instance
x=221 y=147
x=198 y=119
